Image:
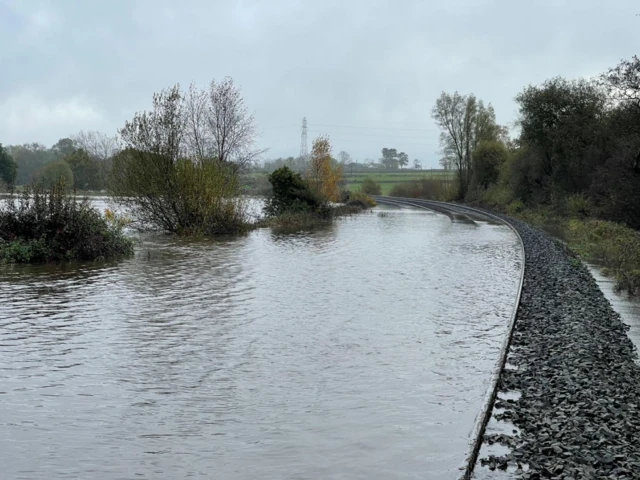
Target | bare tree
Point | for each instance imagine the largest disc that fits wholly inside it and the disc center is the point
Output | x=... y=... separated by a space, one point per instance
x=97 y=144
x=231 y=126
x=344 y=158
x=218 y=125
x=197 y=136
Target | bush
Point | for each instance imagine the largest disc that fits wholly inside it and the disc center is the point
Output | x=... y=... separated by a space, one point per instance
x=496 y=196
x=370 y=187
x=427 y=188
x=360 y=199
x=290 y=194
x=488 y=160
x=615 y=246
x=577 y=205
x=178 y=196
x=50 y=225
x=515 y=207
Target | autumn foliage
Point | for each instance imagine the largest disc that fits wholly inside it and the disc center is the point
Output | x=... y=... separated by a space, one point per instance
x=324 y=174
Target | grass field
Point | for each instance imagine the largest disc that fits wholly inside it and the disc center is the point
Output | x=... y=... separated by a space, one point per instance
x=388 y=179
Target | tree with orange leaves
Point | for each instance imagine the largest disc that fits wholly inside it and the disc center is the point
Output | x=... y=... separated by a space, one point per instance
x=323 y=173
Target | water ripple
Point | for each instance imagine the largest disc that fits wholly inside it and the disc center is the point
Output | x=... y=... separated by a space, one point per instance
x=361 y=350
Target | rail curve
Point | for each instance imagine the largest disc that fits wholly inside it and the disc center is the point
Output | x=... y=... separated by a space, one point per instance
x=455 y=211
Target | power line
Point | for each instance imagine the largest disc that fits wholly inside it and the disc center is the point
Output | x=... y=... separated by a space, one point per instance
x=375 y=128
x=381 y=135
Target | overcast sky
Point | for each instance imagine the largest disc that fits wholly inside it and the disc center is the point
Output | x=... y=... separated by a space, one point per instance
x=365 y=72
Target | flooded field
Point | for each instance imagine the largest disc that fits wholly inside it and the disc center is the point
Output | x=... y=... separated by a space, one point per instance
x=362 y=351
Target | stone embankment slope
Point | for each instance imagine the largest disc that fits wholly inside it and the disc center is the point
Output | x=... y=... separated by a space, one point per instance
x=570 y=357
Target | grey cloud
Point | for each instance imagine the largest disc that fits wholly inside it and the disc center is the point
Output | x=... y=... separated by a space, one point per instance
x=376 y=65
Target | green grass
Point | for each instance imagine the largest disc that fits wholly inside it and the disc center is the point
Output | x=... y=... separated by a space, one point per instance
x=388 y=180
x=608 y=244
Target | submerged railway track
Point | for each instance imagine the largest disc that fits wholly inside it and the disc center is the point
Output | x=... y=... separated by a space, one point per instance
x=469 y=214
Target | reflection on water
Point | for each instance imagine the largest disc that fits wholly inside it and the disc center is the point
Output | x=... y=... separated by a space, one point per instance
x=358 y=351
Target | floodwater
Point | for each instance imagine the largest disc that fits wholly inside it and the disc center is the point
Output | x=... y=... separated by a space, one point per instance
x=627 y=306
x=358 y=351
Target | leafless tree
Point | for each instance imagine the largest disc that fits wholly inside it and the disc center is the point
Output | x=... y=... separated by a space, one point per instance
x=344 y=158
x=219 y=125
x=232 y=127
x=198 y=138
x=97 y=144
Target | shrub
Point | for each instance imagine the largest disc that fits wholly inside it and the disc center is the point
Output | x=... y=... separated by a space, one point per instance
x=360 y=199
x=496 y=195
x=290 y=194
x=370 y=187
x=515 y=207
x=615 y=246
x=577 y=205
x=50 y=225
x=488 y=160
x=182 y=196
x=427 y=188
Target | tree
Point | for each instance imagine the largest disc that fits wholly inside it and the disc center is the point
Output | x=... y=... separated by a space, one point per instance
x=488 y=159
x=403 y=159
x=168 y=186
x=464 y=122
x=86 y=171
x=416 y=164
x=623 y=82
x=8 y=167
x=54 y=172
x=561 y=120
x=63 y=148
x=29 y=158
x=101 y=148
x=447 y=162
x=323 y=176
x=344 y=158
x=389 y=158
x=219 y=125
x=98 y=145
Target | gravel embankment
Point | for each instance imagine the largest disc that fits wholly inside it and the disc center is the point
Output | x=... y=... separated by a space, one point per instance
x=579 y=413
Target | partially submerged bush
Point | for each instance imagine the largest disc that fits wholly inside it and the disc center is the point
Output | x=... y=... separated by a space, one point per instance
x=178 y=196
x=360 y=199
x=45 y=225
x=291 y=194
x=370 y=187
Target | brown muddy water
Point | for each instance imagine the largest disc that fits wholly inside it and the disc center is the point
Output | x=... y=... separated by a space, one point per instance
x=358 y=351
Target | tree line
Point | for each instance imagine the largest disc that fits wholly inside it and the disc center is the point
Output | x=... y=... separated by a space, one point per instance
x=83 y=160
x=578 y=145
